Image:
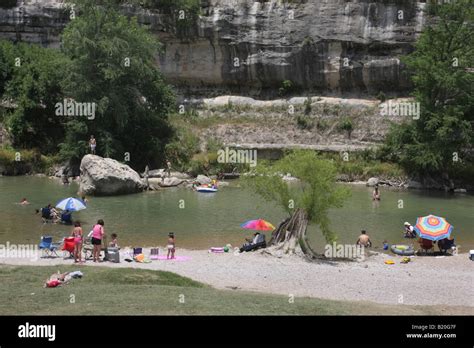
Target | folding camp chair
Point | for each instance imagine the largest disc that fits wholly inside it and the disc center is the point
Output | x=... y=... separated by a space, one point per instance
x=154 y=252
x=68 y=245
x=49 y=248
x=137 y=251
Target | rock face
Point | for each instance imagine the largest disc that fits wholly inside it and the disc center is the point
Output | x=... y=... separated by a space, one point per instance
x=106 y=177
x=39 y=22
x=251 y=47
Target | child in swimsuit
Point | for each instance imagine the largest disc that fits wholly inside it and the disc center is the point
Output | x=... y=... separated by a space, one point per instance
x=113 y=243
x=171 y=246
x=77 y=234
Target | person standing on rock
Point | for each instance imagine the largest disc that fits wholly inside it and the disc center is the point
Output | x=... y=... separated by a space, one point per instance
x=92 y=144
x=145 y=175
x=168 y=168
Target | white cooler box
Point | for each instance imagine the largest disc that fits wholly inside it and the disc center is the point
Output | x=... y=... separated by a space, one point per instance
x=113 y=255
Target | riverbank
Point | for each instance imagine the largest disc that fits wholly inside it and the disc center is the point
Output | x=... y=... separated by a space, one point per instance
x=145 y=292
x=425 y=281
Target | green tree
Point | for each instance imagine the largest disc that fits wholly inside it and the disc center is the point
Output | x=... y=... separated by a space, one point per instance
x=113 y=65
x=306 y=202
x=8 y=53
x=444 y=87
x=32 y=78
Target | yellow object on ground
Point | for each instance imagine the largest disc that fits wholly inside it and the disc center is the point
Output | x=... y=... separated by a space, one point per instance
x=405 y=260
x=389 y=262
x=140 y=258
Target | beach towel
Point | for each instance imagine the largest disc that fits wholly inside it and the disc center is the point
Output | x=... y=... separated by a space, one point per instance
x=76 y=274
x=141 y=258
x=176 y=258
x=53 y=283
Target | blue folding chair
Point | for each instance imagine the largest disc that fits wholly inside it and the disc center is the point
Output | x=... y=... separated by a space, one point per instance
x=48 y=247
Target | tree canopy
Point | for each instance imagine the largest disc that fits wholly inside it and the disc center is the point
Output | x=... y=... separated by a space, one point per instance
x=440 y=141
x=106 y=60
x=113 y=66
x=31 y=78
x=315 y=193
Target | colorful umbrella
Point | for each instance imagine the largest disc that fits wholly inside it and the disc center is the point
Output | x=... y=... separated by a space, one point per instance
x=433 y=227
x=258 y=225
x=71 y=204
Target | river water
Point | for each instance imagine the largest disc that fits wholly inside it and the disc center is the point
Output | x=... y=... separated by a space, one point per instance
x=200 y=221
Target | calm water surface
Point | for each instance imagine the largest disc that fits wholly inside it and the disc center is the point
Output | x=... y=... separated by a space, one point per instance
x=214 y=219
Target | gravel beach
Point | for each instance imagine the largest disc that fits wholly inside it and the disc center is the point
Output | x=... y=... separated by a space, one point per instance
x=426 y=280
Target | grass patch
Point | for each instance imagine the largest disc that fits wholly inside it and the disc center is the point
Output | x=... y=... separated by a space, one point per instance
x=363 y=165
x=17 y=162
x=128 y=291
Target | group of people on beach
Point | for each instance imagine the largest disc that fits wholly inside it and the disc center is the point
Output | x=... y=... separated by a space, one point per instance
x=51 y=214
x=97 y=236
x=425 y=244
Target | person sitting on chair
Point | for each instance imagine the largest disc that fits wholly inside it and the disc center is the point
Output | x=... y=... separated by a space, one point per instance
x=46 y=213
x=445 y=244
x=253 y=241
x=425 y=244
x=66 y=217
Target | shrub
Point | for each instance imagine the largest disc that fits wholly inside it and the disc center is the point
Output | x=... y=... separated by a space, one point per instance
x=307 y=106
x=381 y=96
x=182 y=148
x=322 y=124
x=347 y=126
x=286 y=88
x=304 y=122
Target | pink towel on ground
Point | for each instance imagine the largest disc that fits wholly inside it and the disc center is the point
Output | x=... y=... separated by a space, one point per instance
x=177 y=258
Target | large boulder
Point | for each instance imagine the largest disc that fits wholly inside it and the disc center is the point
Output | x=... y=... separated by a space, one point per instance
x=203 y=180
x=155 y=173
x=170 y=182
x=372 y=182
x=107 y=177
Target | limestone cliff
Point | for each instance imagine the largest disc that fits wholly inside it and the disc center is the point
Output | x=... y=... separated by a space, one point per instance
x=251 y=47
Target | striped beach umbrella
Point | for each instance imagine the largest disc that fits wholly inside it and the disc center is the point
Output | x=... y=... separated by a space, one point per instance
x=433 y=227
x=71 y=204
x=258 y=225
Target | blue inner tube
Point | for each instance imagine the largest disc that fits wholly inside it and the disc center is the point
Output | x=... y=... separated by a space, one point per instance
x=404 y=250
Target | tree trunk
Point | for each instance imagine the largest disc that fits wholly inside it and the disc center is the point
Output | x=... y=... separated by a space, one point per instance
x=290 y=236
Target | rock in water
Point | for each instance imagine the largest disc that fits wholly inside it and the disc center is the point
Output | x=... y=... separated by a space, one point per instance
x=107 y=177
x=170 y=182
x=203 y=180
x=372 y=182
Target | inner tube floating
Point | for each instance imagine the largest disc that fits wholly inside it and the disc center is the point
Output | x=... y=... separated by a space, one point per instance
x=216 y=250
x=404 y=250
x=206 y=189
